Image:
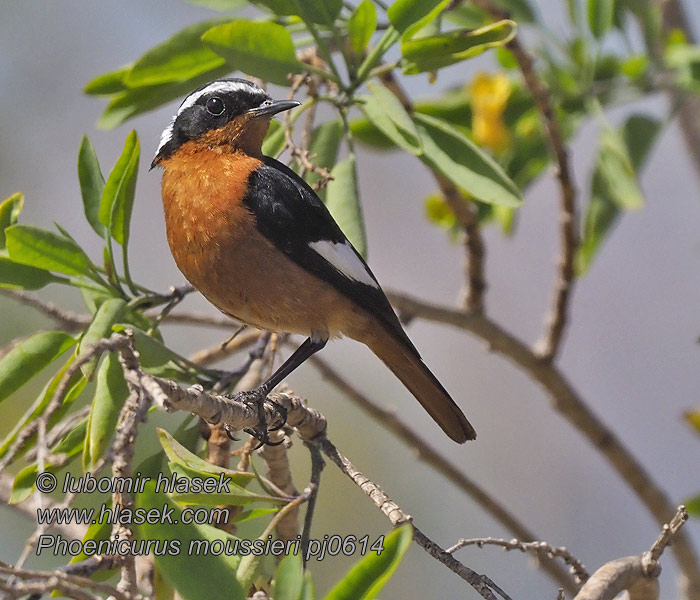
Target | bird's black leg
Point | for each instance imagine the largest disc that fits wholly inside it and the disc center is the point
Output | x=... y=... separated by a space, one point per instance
x=259 y=395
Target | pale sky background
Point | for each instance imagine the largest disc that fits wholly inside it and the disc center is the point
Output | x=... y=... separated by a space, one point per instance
x=631 y=350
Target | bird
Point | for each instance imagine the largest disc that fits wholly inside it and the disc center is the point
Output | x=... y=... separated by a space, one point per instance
x=253 y=237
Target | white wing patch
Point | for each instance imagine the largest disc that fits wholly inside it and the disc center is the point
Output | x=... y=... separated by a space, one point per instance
x=343 y=258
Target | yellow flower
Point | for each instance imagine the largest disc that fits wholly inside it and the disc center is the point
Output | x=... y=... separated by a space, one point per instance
x=489 y=97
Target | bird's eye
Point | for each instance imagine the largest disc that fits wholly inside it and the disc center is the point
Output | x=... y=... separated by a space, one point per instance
x=215 y=106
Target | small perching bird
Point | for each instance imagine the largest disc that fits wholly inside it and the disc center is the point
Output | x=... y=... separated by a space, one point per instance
x=257 y=241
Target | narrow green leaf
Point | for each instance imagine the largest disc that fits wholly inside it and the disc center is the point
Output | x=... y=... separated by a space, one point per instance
x=324 y=12
x=464 y=163
x=308 y=592
x=109 y=312
x=289 y=578
x=601 y=215
x=408 y=16
x=428 y=54
x=92 y=184
x=383 y=101
x=23 y=485
x=323 y=147
x=118 y=195
x=254 y=513
x=263 y=50
x=600 y=16
x=362 y=25
x=366 y=579
x=236 y=496
x=76 y=386
x=45 y=249
x=186 y=544
x=693 y=506
x=9 y=211
x=274 y=140
x=22 y=277
x=617 y=172
x=108 y=83
x=181 y=57
x=110 y=394
x=639 y=134
x=29 y=357
x=98 y=532
x=343 y=202
x=193 y=464
x=127 y=103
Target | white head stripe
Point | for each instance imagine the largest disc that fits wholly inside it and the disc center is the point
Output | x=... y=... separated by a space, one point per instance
x=191 y=100
x=343 y=258
x=219 y=86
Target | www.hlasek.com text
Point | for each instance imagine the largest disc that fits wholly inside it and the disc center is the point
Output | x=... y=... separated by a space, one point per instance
x=330 y=545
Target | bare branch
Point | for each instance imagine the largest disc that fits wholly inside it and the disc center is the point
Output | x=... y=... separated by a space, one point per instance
x=572 y=406
x=539 y=549
x=428 y=454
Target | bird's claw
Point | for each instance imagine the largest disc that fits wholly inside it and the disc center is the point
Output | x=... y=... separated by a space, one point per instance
x=261 y=432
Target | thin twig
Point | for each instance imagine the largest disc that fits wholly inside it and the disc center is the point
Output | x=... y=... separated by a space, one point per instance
x=539 y=549
x=428 y=454
x=556 y=321
x=567 y=401
x=317 y=465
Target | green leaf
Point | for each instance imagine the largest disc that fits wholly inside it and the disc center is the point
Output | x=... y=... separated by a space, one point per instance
x=408 y=16
x=181 y=456
x=179 y=58
x=118 y=195
x=128 y=103
x=289 y=578
x=464 y=163
x=362 y=25
x=76 y=386
x=92 y=184
x=385 y=112
x=693 y=506
x=109 y=312
x=214 y=572
x=29 y=357
x=518 y=10
x=614 y=186
x=308 y=592
x=600 y=16
x=222 y=5
x=323 y=147
x=111 y=392
x=45 y=249
x=639 y=134
x=366 y=579
x=366 y=132
x=157 y=359
x=108 y=83
x=431 y=53
x=9 y=211
x=236 y=496
x=274 y=140
x=25 y=481
x=343 y=202
x=22 y=277
x=263 y=50
x=254 y=513
x=324 y=12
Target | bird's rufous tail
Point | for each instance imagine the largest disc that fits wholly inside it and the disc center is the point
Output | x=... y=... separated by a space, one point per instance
x=407 y=365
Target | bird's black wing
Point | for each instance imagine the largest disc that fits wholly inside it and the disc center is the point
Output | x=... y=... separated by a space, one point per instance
x=292 y=216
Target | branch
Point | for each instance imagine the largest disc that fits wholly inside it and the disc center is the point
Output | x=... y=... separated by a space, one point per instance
x=428 y=454
x=556 y=321
x=571 y=405
x=465 y=213
x=636 y=574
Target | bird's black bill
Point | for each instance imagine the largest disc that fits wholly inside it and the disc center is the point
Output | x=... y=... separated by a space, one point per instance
x=273 y=107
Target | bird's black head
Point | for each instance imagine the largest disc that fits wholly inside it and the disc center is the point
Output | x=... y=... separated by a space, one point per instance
x=212 y=108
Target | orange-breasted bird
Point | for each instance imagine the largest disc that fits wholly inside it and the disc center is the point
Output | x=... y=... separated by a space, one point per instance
x=257 y=241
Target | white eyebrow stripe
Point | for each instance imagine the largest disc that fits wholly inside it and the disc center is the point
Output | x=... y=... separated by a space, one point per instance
x=219 y=86
x=342 y=256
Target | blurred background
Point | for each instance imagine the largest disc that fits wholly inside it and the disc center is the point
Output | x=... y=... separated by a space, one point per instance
x=631 y=349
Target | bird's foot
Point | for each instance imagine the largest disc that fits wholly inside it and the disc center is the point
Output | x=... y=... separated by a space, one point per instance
x=257 y=398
